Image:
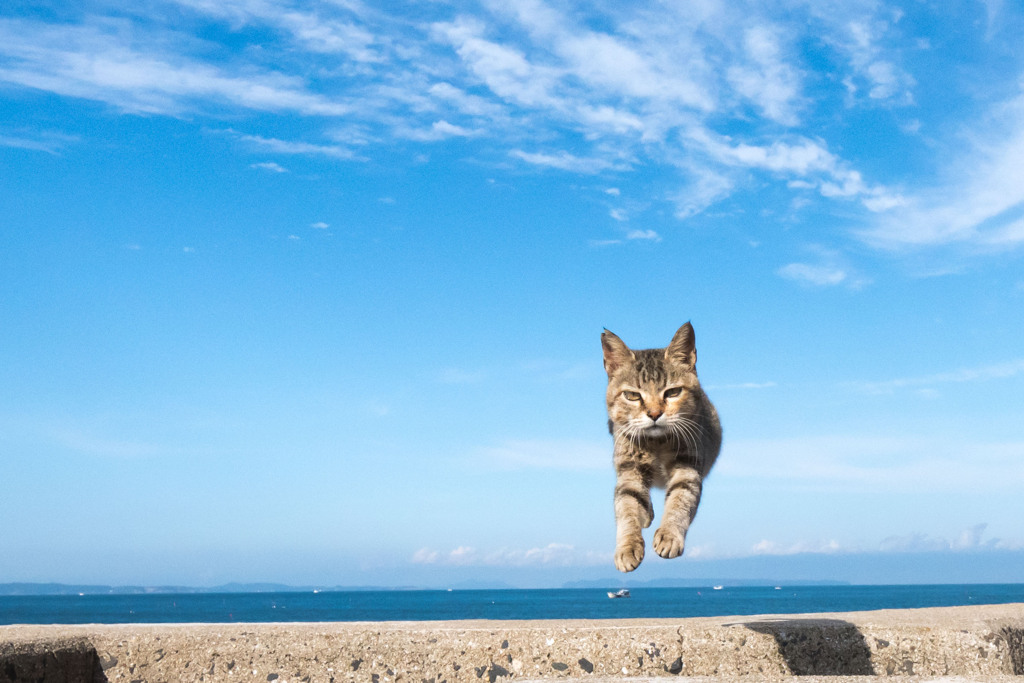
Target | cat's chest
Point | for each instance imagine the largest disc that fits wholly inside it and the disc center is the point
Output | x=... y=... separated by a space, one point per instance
x=659 y=460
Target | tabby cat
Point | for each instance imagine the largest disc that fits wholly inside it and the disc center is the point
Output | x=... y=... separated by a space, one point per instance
x=667 y=435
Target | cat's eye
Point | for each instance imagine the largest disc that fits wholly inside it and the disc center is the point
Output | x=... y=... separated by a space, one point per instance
x=673 y=392
x=631 y=395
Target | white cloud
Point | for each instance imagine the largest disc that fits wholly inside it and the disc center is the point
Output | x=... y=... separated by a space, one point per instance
x=462 y=555
x=468 y=104
x=619 y=66
x=807 y=159
x=817 y=275
x=291 y=147
x=45 y=141
x=425 y=556
x=829 y=270
x=319 y=225
x=968 y=539
x=704 y=189
x=765 y=78
x=985 y=373
x=560 y=454
x=878 y=463
x=505 y=70
x=87 y=62
x=980 y=201
x=315 y=32
x=648 y=235
x=552 y=554
x=766 y=547
x=439 y=130
x=860 y=36
x=269 y=166
x=544 y=85
x=564 y=161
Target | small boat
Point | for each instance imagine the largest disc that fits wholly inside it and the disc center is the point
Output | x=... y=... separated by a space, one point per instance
x=717 y=588
x=624 y=593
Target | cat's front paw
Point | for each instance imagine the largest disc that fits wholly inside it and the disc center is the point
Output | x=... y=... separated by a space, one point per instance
x=629 y=554
x=669 y=542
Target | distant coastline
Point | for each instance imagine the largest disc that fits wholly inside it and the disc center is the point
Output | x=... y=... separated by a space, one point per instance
x=39 y=589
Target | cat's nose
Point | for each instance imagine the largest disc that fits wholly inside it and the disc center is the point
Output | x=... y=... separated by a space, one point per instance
x=654 y=414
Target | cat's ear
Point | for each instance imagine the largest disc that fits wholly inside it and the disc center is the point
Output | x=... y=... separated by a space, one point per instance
x=616 y=353
x=683 y=349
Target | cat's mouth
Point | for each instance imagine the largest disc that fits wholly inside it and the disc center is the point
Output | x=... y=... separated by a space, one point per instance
x=655 y=430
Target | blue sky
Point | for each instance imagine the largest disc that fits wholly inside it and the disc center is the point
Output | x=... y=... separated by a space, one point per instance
x=312 y=292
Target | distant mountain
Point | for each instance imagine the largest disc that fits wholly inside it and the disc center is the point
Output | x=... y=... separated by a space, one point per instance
x=75 y=589
x=28 y=589
x=612 y=582
x=51 y=589
x=619 y=582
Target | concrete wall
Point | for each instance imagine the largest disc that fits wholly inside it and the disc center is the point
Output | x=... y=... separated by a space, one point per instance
x=977 y=642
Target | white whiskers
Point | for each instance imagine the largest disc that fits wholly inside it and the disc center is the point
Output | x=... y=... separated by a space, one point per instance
x=689 y=432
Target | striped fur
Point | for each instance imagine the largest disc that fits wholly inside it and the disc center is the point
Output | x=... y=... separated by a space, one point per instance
x=667 y=435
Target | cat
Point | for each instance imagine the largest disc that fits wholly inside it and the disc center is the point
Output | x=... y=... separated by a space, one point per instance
x=667 y=435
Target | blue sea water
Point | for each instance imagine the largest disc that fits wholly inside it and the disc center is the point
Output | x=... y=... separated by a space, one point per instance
x=487 y=604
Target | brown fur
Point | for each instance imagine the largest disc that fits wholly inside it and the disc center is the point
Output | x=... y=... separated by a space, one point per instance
x=667 y=435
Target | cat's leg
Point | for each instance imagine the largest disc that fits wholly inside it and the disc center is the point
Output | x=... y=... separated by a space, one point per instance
x=633 y=512
x=682 y=495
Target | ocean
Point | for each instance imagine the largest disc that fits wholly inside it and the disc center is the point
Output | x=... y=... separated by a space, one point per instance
x=420 y=605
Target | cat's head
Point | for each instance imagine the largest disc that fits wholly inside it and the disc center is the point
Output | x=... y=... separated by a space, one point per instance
x=652 y=393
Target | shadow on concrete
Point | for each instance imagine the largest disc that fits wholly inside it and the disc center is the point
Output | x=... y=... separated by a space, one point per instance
x=822 y=647
x=72 y=661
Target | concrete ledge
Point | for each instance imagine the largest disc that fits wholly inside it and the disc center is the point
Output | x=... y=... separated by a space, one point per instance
x=979 y=643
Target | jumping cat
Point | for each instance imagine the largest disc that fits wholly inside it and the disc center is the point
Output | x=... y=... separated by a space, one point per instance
x=667 y=435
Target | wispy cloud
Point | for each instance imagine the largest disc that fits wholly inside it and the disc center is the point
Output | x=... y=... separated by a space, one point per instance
x=292 y=147
x=716 y=95
x=828 y=269
x=102 y=63
x=552 y=554
x=811 y=274
x=878 y=463
x=439 y=130
x=564 y=161
x=767 y=547
x=44 y=141
x=647 y=235
x=875 y=72
x=807 y=161
x=315 y=32
x=970 y=539
x=765 y=77
x=981 y=200
x=558 y=454
x=269 y=166
x=985 y=373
